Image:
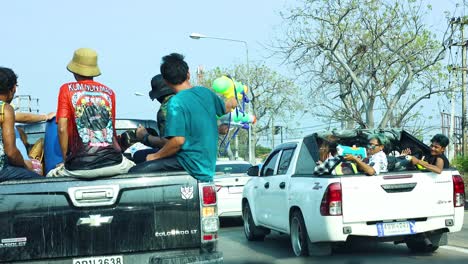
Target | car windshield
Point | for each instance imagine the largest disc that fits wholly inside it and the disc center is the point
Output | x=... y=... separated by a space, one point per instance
x=232 y=168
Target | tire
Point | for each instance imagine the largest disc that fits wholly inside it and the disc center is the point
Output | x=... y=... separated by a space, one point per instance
x=251 y=231
x=427 y=242
x=298 y=234
x=300 y=240
x=419 y=246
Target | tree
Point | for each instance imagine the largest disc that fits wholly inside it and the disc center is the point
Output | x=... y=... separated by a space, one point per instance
x=369 y=63
x=273 y=96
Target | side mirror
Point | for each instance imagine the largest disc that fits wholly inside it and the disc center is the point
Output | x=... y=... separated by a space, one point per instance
x=253 y=171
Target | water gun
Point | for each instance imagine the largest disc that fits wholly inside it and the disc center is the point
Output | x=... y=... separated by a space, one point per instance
x=418 y=166
x=243 y=118
x=239 y=118
x=355 y=151
x=229 y=88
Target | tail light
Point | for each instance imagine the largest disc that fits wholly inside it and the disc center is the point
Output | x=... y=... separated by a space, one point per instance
x=209 y=195
x=458 y=191
x=209 y=213
x=332 y=200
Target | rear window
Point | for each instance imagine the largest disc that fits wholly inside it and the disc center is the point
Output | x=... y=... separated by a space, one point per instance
x=232 y=168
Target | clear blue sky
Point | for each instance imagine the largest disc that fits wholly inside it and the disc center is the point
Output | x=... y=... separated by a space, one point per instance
x=39 y=37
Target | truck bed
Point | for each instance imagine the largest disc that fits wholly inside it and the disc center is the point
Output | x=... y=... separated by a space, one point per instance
x=56 y=218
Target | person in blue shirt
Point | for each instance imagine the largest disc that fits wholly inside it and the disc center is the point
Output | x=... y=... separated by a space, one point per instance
x=191 y=125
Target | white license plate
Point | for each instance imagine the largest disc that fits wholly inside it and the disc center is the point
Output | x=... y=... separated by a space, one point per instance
x=236 y=189
x=396 y=228
x=99 y=260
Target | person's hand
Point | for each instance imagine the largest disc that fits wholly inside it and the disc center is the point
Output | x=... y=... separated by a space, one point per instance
x=28 y=165
x=152 y=156
x=231 y=104
x=406 y=151
x=350 y=157
x=140 y=132
x=50 y=115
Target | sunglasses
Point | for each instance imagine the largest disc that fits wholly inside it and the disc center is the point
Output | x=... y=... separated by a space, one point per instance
x=372 y=146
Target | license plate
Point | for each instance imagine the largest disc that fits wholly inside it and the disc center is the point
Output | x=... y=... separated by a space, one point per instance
x=236 y=189
x=396 y=228
x=99 y=260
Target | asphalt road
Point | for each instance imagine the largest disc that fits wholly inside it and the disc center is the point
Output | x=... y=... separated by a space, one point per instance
x=460 y=239
x=277 y=249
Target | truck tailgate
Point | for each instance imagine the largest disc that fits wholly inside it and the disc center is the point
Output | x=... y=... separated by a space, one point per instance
x=69 y=218
x=397 y=196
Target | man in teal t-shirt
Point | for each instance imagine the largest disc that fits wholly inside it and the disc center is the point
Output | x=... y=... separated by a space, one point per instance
x=191 y=125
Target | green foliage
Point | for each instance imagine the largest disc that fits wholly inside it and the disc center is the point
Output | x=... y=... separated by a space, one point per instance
x=461 y=163
x=371 y=62
x=262 y=152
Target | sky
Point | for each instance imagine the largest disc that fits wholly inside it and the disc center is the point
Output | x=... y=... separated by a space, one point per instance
x=130 y=37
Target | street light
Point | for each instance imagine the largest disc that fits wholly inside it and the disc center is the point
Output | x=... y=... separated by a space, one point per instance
x=200 y=36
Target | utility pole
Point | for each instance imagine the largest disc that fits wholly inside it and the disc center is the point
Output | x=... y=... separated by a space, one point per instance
x=281 y=134
x=272 y=133
x=462 y=21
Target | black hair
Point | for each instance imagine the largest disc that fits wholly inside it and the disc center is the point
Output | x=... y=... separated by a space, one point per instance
x=332 y=148
x=441 y=139
x=174 y=69
x=8 y=79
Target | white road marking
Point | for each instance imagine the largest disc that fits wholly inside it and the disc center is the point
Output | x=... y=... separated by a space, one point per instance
x=458 y=249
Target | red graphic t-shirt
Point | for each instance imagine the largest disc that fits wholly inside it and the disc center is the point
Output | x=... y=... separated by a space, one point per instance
x=89 y=107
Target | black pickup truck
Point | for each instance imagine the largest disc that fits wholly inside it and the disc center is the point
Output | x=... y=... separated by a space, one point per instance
x=166 y=217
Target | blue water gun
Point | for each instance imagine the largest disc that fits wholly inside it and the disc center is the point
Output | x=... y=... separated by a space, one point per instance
x=355 y=151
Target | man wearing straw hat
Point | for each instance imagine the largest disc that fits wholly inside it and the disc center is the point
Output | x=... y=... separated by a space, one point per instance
x=86 y=123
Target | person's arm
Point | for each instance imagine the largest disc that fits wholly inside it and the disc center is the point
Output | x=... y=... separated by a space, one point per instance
x=367 y=169
x=157 y=142
x=230 y=104
x=434 y=168
x=144 y=137
x=33 y=118
x=172 y=146
x=63 y=136
x=9 y=138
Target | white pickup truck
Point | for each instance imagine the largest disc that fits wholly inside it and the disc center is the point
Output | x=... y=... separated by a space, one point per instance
x=403 y=205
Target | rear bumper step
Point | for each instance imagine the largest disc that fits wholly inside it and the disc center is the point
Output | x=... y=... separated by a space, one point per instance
x=215 y=257
x=174 y=257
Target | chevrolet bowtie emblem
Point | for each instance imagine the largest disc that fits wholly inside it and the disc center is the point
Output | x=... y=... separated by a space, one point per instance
x=94 y=220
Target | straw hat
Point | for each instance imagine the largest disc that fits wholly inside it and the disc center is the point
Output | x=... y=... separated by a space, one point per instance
x=84 y=63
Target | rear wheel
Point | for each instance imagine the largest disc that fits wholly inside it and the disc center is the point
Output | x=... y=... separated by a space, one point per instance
x=251 y=231
x=425 y=243
x=420 y=247
x=300 y=241
x=299 y=237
